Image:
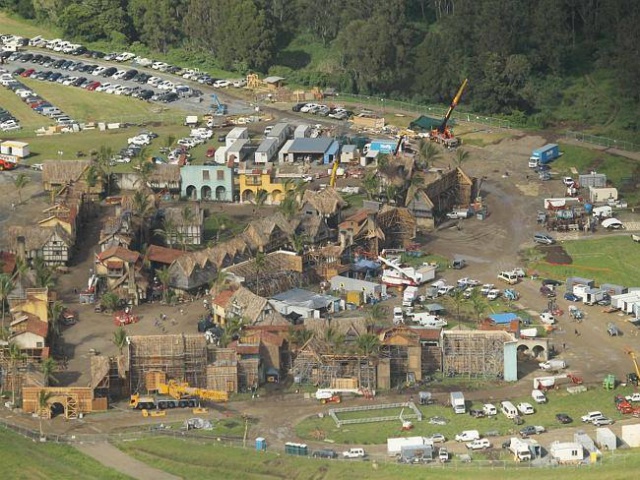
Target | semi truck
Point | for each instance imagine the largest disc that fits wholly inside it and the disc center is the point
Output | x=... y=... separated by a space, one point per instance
x=544 y=155
x=457 y=402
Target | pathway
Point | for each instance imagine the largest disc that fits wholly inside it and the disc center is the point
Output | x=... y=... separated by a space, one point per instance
x=111 y=457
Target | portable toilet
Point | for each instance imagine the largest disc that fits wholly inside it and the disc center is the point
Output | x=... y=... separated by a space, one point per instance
x=261 y=444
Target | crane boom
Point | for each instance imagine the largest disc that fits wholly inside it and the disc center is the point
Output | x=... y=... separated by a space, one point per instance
x=334 y=173
x=443 y=126
x=634 y=359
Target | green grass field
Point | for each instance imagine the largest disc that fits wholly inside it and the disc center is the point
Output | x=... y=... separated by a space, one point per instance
x=196 y=459
x=575 y=406
x=24 y=459
x=606 y=260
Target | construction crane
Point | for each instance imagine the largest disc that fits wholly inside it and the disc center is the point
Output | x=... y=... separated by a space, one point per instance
x=334 y=173
x=443 y=134
x=220 y=108
x=633 y=377
x=176 y=395
x=403 y=138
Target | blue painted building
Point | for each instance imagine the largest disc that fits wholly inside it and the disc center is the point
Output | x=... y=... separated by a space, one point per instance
x=207 y=182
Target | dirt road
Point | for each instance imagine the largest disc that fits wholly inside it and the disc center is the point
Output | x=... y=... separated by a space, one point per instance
x=111 y=457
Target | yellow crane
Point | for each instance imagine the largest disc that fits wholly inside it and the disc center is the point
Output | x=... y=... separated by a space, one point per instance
x=334 y=173
x=180 y=390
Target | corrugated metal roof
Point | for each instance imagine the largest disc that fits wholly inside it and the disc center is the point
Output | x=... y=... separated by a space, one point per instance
x=311 y=145
x=266 y=145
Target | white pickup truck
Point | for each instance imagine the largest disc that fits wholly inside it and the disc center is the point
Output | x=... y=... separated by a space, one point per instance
x=633 y=398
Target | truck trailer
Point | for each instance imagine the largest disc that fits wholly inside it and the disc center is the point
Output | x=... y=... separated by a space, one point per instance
x=457 y=402
x=544 y=155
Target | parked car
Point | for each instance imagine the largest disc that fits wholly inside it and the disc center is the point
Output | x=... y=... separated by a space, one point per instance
x=602 y=420
x=354 y=453
x=588 y=418
x=543 y=239
x=438 y=438
x=552 y=282
x=572 y=297
x=210 y=152
x=547 y=291
x=532 y=430
x=476 y=413
x=563 y=418
x=526 y=408
x=438 y=421
x=325 y=453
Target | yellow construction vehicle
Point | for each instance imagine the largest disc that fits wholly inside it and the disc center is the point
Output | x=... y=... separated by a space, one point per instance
x=153 y=413
x=334 y=173
x=633 y=377
x=443 y=133
x=176 y=395
x=181 y=390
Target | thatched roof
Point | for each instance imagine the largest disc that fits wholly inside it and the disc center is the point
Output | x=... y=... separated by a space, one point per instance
x=327 y=202
x=164 y=173
x=36 y=237
x=255 y=309
x=61 y=172
x=192 y=270
x=175 y=214
x=418 y=199
x=99 y=369
x=258 y=233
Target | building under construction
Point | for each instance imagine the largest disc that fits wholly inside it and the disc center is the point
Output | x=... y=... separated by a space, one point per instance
x=484 y=354
x=179 y=357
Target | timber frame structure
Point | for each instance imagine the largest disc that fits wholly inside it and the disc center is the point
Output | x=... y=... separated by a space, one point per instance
x=74 y=400
x=474 y=353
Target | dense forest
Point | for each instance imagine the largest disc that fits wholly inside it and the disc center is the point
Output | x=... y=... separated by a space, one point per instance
x=525 y=58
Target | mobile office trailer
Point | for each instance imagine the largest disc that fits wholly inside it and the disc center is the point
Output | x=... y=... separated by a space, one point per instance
x=457 y=402
x=593 y=296
x=394 y=445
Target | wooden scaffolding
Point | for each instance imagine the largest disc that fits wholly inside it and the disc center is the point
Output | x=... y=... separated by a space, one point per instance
x=474 y=353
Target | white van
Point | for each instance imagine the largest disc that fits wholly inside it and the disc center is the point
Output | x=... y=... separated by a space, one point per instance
x=489 y=409
x=468 y=436
x=509 y=409
x=510 y=277
x=398 y=315
x=538 y=396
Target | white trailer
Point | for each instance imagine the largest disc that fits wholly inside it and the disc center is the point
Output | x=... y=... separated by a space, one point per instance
x=394 y=445
x=236 y=134
x=266 y=151
x=566 y=452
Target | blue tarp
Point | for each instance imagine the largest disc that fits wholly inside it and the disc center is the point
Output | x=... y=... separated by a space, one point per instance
x=364 y=265
x=501 y=318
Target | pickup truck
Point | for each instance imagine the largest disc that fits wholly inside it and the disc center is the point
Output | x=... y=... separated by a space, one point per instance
x=479 y=444
x=633 y=398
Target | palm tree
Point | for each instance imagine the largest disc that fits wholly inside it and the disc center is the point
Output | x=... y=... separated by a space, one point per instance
x=260 y=262
x=289 y=205
x=21 y=181
x=110 y=301
x=219 y=281
x=261 y=197
x=6 y=287
x=22 y=267
x=120 y=339
x=43 y=406
x=48 y=367
x=232 y=330
x=15 y=356
x=164 y=275
x=334 y=338
x=187 y=217
x=391 y=191
x=479 y=306
x=55 y=312
x=92 y=177
x=375 y=315
x=368 y=344
x=382 y=160
x=44 y=275
x=170 y=233
x=427 y=153
x=299 y=336
x=371 y=185
x=457 y=297
x=168 y=141
x=298 y=241
x=103 y=159
x=141 y=209
x=461 y=157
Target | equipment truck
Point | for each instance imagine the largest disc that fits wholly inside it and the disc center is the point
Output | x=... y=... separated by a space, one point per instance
x=544 y=155
x=175 y=394
x=457 y=402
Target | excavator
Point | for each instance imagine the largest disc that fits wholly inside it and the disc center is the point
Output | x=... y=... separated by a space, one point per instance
x=633 y=377
x=173 y=394
x=443 y=133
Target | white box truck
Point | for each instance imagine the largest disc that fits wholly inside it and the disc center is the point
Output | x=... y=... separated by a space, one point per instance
x=520 y=450
x=425 y=319
x=457 y=402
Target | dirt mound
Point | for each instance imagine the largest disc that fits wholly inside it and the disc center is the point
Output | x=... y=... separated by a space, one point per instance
x=556 y=255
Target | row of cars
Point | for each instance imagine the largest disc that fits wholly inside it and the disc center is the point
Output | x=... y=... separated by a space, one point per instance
x=337 y=113
x=63 y=46
x=35 y=102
